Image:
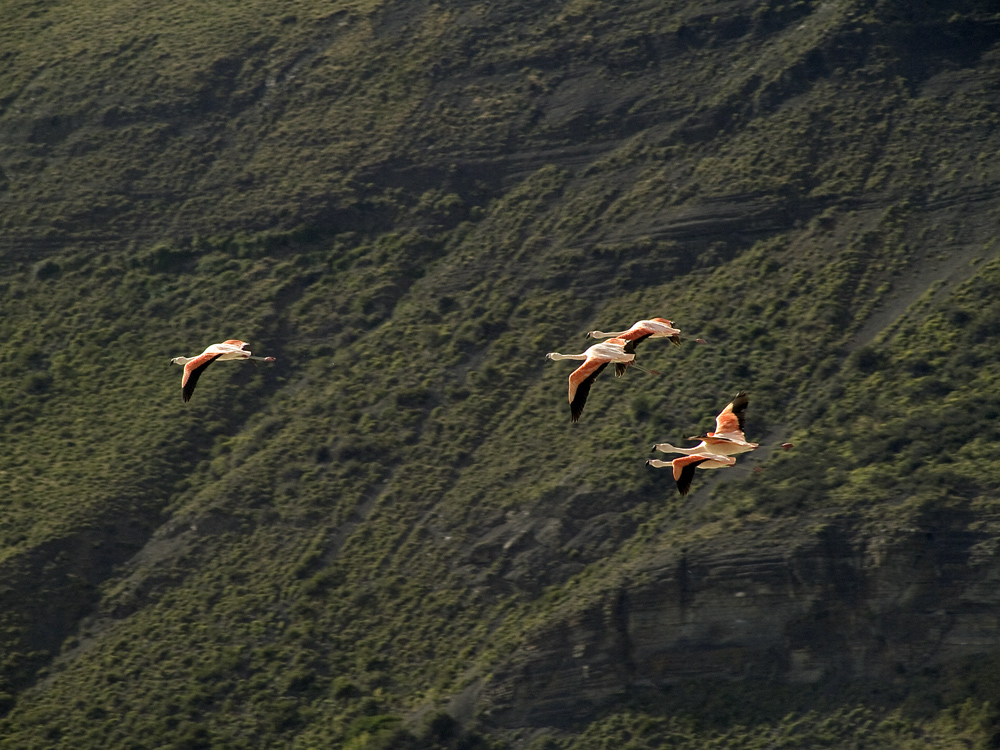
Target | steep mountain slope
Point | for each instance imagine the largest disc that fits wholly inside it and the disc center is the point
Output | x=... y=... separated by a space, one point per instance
x=394 y=536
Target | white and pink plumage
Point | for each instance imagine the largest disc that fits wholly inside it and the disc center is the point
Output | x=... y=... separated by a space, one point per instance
x=644 y=329
x=195 y=366
x=727 y=439
x=595 y=359
x=684 y=467
x=653 y=328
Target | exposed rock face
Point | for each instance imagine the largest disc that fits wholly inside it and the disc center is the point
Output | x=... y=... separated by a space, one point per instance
x=844 y=606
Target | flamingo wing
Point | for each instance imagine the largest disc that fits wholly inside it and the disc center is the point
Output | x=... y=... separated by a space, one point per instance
x=237 y=343
x=732 y=419
x=684 y=471
x=193 y=371
x=580 y=381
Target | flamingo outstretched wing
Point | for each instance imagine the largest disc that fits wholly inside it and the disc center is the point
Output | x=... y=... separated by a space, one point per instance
x=684 y=471
x=193 y=370
x=732 y=419
x=580 y=381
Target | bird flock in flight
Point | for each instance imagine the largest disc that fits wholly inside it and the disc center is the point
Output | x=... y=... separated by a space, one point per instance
x=715 y=451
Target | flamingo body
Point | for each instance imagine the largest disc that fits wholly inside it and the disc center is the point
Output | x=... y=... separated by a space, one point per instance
x=195 y=366
x=595 y=359
x=719 y=448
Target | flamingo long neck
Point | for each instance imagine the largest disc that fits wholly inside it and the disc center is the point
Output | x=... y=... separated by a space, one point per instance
x=603 y=335
x=181 y=360
x=557 y=355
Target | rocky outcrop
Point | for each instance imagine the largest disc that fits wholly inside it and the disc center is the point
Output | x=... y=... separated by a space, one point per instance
x=844 y=605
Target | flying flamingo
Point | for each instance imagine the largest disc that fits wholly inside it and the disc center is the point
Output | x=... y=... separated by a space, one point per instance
x=728 y=438
x=195 y=366
x=657 y=328
x=685 y=465
x=595 y=359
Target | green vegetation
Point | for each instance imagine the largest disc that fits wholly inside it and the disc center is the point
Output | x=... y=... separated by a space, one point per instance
x=408 y=205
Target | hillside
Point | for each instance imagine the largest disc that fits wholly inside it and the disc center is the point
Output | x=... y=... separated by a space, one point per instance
x=394 y=536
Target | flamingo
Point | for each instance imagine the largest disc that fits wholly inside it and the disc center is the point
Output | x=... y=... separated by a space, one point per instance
x=657 y=328
x=728 y=438
x=195 y=366
x=595 y=359
x=685 y=465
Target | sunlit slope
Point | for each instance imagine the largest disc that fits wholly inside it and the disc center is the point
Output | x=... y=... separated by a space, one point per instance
x=128 y=119
x=408 y=207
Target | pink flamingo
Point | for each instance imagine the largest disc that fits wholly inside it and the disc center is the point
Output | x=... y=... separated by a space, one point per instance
x=195 y=366
x=728 y=438
x=656 y=328
x=685 y=465
x=595 y=359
